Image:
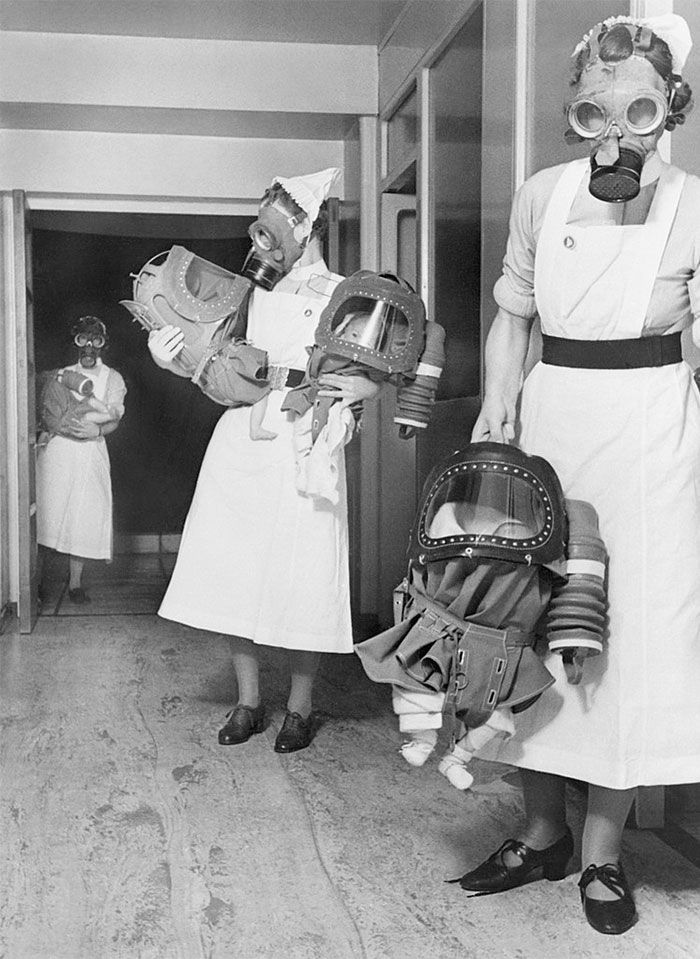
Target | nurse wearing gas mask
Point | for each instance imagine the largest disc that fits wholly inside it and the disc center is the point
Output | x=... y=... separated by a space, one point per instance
x=74 y=487
x=259 y=561
x=606 y=250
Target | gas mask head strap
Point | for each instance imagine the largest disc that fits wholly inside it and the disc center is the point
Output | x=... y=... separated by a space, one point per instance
x=299 y=222
x=642 y=38
x=294 y=219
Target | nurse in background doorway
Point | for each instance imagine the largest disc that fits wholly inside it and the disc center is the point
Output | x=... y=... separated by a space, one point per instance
x=78 y=406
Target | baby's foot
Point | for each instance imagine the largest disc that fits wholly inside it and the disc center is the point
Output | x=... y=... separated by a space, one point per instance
x=455 y=771
x=416 y=751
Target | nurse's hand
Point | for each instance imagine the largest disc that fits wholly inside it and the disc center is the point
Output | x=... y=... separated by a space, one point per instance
x=83 y=430
x=165 y=344
x=348 y=389
x=495 y=423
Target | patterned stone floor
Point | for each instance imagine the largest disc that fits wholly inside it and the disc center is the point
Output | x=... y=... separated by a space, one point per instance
x=129 y=833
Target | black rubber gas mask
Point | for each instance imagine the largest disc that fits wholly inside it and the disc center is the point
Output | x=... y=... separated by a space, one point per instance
x=90 y=338
x=621 y=108
x=279 y=239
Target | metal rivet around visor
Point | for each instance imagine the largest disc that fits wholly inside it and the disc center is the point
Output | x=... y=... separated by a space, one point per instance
x=569 y=242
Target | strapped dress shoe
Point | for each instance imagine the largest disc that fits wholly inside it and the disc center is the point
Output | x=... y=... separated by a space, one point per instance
x=296 y=733
x=78 y=595
x=243 y=722
x=494 y=875
x=609 y=916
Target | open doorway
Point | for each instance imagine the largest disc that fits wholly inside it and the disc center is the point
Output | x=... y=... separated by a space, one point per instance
x=82 y=264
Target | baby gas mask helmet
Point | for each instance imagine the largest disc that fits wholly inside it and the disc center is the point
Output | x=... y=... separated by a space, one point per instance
x=90 y=338
x=284 y=224
x=495 y=515
x=497 y=557
x=491 y=500
x=622 y=103
x=375 y=319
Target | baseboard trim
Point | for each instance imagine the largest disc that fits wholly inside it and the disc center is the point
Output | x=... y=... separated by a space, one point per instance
x=146 y=542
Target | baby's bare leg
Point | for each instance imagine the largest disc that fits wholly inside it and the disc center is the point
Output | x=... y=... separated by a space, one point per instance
x=257 y=413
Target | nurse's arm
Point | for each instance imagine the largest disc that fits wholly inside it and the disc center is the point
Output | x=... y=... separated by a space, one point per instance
x=505 y=353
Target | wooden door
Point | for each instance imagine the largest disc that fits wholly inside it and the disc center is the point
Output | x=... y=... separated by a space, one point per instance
x=19 y=372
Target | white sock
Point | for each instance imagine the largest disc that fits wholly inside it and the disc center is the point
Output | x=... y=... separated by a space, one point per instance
x=454 y=767
x=421 y=744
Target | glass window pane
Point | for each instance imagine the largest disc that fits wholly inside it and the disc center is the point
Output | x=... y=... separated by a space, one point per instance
x=455 y=99
x=402 y=132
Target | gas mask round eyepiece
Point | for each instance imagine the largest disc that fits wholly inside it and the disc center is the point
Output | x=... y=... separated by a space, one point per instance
x=96 y=340
x=641 y=115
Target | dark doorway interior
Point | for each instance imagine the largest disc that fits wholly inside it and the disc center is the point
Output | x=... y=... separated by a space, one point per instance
x=82 y=265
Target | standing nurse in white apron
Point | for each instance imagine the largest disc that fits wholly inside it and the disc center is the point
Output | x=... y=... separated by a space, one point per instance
x=607 y=251
x=260 y=561
x=74 y=486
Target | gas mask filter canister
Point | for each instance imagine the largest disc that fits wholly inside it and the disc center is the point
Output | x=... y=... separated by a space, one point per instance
x=617 y=182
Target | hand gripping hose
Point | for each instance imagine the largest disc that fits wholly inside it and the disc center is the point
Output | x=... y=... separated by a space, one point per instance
x=576 y=617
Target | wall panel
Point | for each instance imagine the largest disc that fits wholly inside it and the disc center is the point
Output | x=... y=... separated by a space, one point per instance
x=131 y=164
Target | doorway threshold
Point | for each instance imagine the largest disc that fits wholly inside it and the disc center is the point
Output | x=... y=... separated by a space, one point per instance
x=132 y=584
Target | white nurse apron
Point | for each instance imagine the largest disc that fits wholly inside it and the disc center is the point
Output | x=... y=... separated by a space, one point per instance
x=258 y=558
x=627 y=441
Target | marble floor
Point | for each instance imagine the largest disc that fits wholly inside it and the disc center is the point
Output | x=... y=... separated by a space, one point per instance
x=129 y=833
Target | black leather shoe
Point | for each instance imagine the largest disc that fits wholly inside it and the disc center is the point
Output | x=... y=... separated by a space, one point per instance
x=296 y=733
x=78 y=595
x=494 y=876
x=609 y=916
x=243 y=721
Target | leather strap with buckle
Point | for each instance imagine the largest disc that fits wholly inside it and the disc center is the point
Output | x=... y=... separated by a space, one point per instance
x=281 y=377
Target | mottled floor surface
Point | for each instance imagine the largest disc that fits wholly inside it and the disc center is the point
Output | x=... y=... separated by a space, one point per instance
x=129 y=833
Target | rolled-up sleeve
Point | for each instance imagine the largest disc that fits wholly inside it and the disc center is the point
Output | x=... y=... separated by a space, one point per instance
x=116 y=391
x=514 y=290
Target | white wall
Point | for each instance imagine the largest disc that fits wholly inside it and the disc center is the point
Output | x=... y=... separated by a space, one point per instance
x=113 y=164
x=184 y=73
x=118 y=80
x=108 y=122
